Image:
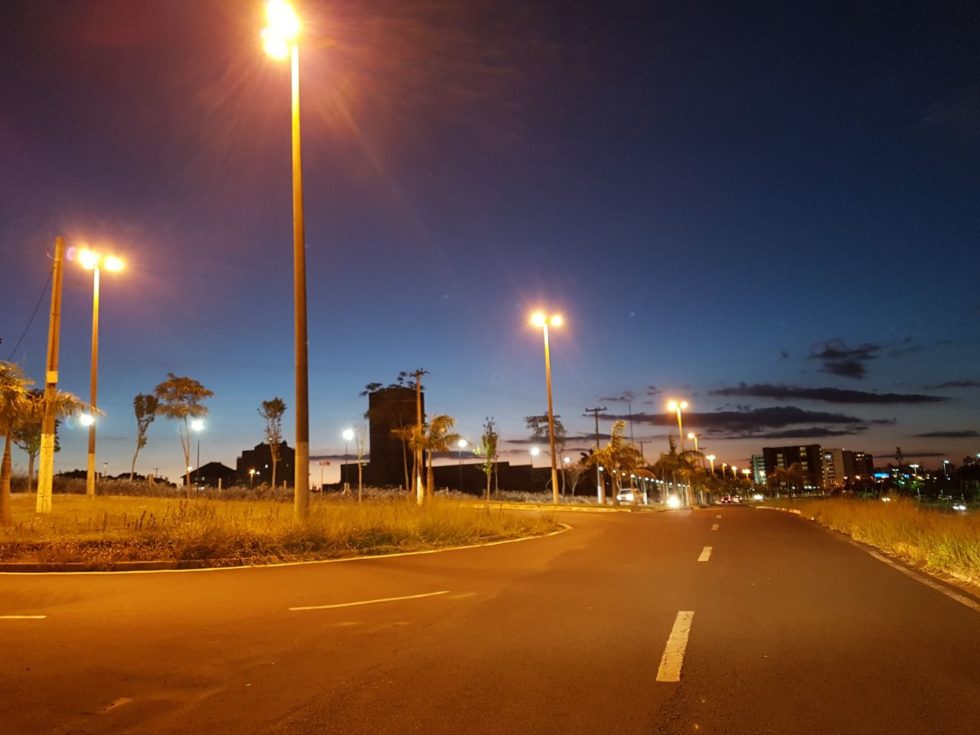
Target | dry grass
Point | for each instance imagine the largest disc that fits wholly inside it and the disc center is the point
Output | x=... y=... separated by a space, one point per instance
x=110 y=529
x=939 y=542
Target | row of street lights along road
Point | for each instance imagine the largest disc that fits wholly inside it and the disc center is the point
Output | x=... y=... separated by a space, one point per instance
x=280 y=38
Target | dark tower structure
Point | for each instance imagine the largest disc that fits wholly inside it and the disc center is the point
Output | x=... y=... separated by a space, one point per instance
x=389 y=408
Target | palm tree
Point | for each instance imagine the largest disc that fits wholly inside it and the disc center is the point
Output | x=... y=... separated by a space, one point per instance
x=436 y=436
x=618 y=458
x=27 y=431
x=14 y=388
x=684 y=464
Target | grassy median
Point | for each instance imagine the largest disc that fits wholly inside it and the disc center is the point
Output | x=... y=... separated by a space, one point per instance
x=937 y=541
x=106 y=530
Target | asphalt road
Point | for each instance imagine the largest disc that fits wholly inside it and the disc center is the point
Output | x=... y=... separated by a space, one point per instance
x=790 y=629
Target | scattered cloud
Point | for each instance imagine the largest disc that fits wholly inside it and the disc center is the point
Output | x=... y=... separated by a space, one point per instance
x=905 y=347
x=963 y=434
x=784 y=354
x=840 y=359
x=955 y=384
x=568 y=439
x=625 y=397
x=811 y=433
x=826 y=395
x=749 y=422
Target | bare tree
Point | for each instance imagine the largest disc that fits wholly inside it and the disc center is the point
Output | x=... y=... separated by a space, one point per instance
x=271 y=412
x=488 y=450
x=145 y=407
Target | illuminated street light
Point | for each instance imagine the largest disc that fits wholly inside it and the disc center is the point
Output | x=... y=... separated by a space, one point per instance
x=197 y=426
x=348 y=435
x=86 y=419
x=461 y=444
x=280 y=39
x=251 y=477
x=540 y=320
x=711 y=458
x=95 y=262
x=678 y=406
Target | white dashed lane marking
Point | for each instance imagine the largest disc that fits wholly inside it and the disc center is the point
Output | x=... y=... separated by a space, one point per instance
x=673 y=658
x=23 y=617
x=714 y=526
x=705 y=554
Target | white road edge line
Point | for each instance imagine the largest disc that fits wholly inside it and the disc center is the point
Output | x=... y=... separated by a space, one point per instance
x=917 y=576
x=718 y=516
x=962 y=599
x=673 y=658
x=23 y=617
x=369 y=602
x=705 y=554
x=714 y=526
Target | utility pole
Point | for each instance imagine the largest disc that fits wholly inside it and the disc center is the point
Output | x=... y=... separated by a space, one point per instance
x=595 y=413
x=419 y=454
x=46 y=467
x=600 y=489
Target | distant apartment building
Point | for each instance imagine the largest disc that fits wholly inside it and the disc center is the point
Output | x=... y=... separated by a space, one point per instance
x=809 y=457
x=834 y=475
x=254 y=466
x=758 y=469
x=857 y=464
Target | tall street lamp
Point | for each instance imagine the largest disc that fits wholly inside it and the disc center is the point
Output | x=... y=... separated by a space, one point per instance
x=711 y=458
x=197 y=426
x=461 y=445
x=678 y=406
x=95 y=262
x=539 y=319
x=280 y=38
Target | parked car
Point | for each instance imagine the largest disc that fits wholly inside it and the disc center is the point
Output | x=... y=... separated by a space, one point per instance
x=626 y=495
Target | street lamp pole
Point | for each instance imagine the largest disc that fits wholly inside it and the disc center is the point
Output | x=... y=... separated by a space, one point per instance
x=94 y=384
x=540 y=320
x=348 y=434
x=93 y=261
x=678 y=406
x=197 y=425
x=280 y=37
x=461 y=445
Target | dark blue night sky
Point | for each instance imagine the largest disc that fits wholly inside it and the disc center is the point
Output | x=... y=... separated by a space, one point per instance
x=769 y=209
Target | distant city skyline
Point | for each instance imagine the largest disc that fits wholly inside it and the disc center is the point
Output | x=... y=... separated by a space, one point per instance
x=774 y=219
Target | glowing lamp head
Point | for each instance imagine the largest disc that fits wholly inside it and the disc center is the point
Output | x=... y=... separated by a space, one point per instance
x=197 y=424
x=690 y=435
x=86 y=419
x=112 y=263
x=88 y=259
x=673 y=501
x=462 y=443
x=535 y=451
x=281 y=30
x=711 y=458
x=348 y=435
x=676 y=405
x=540 y=320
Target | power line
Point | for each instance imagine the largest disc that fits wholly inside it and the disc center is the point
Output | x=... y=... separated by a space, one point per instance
x=40 y=298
